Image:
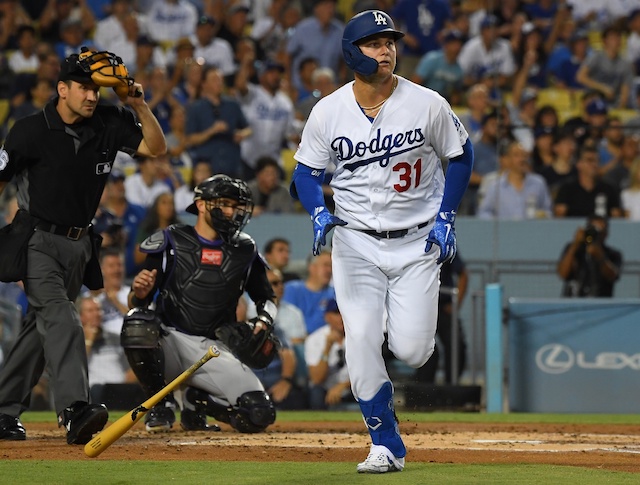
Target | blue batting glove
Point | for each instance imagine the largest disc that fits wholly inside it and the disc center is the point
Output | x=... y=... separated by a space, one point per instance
x=444 y=236
x=323 y=222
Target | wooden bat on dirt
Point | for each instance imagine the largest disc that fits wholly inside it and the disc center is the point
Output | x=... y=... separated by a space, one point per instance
x=110 y=434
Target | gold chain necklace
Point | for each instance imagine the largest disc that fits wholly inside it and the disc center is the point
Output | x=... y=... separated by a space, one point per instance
x=374 y=107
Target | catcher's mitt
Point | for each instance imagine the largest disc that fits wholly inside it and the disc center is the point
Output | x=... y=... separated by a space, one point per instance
x=256 y=351
x=106 y=70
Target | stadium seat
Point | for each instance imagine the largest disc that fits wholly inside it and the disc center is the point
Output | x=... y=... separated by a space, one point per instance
x=561 y=99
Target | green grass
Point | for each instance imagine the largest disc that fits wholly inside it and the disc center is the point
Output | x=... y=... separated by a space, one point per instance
x=249 y=473
x=436 y=417
x=85 y=471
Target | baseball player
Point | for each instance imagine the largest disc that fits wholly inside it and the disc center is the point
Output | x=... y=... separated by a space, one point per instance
x=200 y=272
x=387 y=137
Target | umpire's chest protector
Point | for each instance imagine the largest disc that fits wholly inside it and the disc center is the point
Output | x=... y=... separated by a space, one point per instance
x=203 y=282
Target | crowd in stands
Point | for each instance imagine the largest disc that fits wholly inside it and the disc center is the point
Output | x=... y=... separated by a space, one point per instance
x=547 y=89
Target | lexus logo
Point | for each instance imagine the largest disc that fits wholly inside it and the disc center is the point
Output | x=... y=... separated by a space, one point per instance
x=555 y=358
x=558 y=359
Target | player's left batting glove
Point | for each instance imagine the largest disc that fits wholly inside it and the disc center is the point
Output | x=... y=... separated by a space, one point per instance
x=444 y=236
x=323 y=222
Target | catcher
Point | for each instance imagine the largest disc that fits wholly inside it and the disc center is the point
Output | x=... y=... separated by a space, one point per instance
x=197 y=274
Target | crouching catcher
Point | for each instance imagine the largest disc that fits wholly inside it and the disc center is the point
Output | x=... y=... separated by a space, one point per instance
x=194 y=276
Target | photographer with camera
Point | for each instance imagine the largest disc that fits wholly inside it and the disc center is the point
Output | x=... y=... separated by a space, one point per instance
x=588 y=266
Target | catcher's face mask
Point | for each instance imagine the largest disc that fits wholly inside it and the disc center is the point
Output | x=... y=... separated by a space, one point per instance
x=229 y=203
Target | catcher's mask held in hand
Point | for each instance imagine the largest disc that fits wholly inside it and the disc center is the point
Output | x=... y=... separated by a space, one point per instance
x=107 y=70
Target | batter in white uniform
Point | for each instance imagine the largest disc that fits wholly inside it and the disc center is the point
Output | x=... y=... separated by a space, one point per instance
x=387 y=137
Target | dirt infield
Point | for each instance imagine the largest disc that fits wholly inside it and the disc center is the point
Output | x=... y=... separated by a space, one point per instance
x=611 y=447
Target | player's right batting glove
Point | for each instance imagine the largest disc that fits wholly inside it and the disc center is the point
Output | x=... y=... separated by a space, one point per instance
x=443 y=235
x=323 y=222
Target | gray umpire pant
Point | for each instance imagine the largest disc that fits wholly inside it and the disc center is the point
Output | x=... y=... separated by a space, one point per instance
x=51 y=332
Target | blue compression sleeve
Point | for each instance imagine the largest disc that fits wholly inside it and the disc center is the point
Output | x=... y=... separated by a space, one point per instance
x=306 y=186
x=457 y=179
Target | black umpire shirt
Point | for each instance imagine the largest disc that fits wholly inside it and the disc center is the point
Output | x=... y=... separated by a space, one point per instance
x=61 y=169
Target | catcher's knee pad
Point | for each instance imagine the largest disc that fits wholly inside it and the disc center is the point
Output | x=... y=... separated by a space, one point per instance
x=140 y=338
x=255 y=411
x=140 y=329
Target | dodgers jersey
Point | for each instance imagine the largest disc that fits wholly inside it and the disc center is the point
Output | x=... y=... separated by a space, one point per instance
x=388 y=173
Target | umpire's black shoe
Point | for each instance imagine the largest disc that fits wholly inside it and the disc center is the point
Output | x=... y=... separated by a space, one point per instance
x=11 y=428
x=82 y=421
x=196 y=421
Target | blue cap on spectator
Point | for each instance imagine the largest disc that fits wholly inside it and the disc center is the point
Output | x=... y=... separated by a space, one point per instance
x=597 y=107
x=268 y=65
x=579 y=34
x=543 y=130
x=206 y=20
x=332 y=306
x=489 y=21
x=453 y=35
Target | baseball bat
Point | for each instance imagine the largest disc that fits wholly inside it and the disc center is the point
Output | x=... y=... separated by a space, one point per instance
x=110 y=434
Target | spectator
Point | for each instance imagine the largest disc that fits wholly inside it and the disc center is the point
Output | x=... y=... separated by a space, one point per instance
x=587 y=194
x=531 y=55
x=157 y=91
x=117 y=220
x=183 y=196
x=591 y=122
x=148 y=55
x=215 y=127
x=485 y=161
x=312 y=295
x=188 y=87
x=486 y=56
x=422 y=23
x=106 y=359
x=607 y=71
x=306 y=68
x=41 y=94
x=72 y=37
x=324 y=354
x=277 y=252
x=171 y=20
x=631 y=196
x=618 y=174
x=564 y=72
x=318 y=36
x=282 y=380
x=633 y=41
x=213 y=50
x=610 y=146
x=542 y=154
x=269 y=193
x=113 y=297
x=110 y=32
x=478 y=104
x=177 y=144
x=159 y=216
x=143 y=187
x=562 y=167
x=453 y=275
x=271 y=31
x=439 y=69
x=522 y=112
x=59 y=12
x=588 y=266
x=179 y=58
x=518 y=193
x=323 y=82
x=13 y=16
x=21 y=85
x=236 y=22
x=270 y=114
x=24 y=59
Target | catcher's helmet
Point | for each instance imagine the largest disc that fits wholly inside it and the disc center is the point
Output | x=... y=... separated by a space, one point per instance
x=361 y=26
x=225 y=187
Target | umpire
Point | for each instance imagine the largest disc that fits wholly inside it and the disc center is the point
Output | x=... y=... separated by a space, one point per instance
x=60 y=159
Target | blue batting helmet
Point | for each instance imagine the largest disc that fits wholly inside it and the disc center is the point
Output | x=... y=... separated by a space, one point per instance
x=362 y=25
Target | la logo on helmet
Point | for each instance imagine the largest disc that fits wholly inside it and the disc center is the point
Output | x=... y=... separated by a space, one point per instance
x=379 y=18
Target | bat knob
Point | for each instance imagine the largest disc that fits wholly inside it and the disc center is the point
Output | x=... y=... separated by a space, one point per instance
x=137 y=94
